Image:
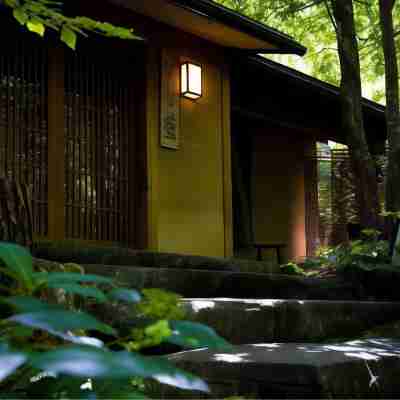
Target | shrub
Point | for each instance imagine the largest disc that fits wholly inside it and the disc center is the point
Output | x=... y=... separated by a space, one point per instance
x=367 y=250
x=50 y=350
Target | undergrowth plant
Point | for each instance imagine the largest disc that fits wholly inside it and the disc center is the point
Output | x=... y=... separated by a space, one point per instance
x=369 y=250
x=49 y=349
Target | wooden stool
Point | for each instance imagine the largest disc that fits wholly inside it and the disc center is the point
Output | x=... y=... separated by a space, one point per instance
x=264 y=246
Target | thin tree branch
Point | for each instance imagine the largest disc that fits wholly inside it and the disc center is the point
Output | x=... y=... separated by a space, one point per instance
x=312 y=4
x=331 y=17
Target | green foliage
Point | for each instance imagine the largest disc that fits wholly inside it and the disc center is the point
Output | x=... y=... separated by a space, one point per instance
x=48 y=350
x=159 y=303
x=394 y=215
x=292 y=268
x=39 y=15
x=368 y=250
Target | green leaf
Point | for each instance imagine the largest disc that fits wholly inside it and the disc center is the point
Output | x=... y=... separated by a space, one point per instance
x=91 y=362
x=69 y=37
x=27 y=304
x=11 y=3
x=80 y=290
x=71 y=277
x=195 y=335
x=20 y=15
x=19 y=332
x=127 y=295
x=36 y=26
x=10 y=360
x=56 y=321
x=19 y=261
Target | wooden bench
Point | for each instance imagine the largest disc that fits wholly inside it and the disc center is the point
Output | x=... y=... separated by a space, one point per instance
x=265 y=246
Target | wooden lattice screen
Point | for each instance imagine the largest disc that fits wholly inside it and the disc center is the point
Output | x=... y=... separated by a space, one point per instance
x=23 y=115
x=345 y=209
x=337 y=195
x=99 y=140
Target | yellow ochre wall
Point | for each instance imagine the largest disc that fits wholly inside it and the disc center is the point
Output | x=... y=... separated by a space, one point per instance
x=278 y=191
x=189 y=208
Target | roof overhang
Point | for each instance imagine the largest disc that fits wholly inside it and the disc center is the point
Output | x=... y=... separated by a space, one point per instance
x=217 y=24
x=309 y=82
x=290 y=99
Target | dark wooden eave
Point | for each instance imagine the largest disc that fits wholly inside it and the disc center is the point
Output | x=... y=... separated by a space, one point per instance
x=276 y=95
x=282 y=43
x=217 y=24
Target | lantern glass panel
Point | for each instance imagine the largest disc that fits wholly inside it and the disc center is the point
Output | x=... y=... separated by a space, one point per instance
x=184 y=78
x=195 y=79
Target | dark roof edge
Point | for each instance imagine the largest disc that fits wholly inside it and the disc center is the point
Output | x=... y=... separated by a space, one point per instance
x=325 y=87
x=212 y=10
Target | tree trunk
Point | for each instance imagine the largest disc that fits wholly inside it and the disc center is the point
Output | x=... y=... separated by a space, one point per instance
x=352 y=117
x=392 y=106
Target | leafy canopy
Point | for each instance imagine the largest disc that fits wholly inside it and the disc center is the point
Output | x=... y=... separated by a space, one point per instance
x=39 y=15
x=310 y=22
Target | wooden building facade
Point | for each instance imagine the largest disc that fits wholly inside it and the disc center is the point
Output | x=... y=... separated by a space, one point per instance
x=85 y=130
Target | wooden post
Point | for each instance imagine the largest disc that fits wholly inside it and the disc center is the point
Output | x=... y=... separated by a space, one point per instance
x=227 y=166
x=56 y=144
x=152 y=141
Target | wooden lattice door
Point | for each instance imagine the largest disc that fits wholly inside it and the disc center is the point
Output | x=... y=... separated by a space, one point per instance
x=99 y=144
x=24 y=116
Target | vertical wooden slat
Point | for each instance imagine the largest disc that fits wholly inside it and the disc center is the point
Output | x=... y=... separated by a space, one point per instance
x=141 y=237
x=87 y=156
x=56 y=145
x=9 y=121
x=130 y=174
x=311 y=200
x=94 y=154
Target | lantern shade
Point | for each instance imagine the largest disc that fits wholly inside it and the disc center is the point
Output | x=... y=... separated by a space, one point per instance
x=191 y=81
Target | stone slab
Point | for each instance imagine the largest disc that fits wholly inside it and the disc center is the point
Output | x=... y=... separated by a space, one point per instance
x=69 y=252
x=206 y=283
x=244 y=321
x=376 y=282
x=357 y=369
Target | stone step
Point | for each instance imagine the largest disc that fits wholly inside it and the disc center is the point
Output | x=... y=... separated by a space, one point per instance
x=70 y=252
x=357 y=369
x=243 y=321
x=206 y=283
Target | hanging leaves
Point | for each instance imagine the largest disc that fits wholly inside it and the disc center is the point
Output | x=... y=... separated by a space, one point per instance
x=37 y=15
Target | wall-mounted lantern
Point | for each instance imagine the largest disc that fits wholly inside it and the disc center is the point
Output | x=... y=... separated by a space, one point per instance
x=191 y=81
